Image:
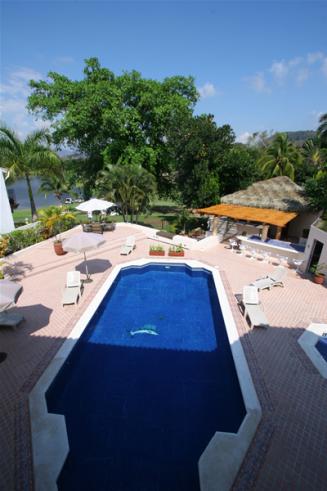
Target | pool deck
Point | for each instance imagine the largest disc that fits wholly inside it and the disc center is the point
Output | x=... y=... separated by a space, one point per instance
x=290 y=447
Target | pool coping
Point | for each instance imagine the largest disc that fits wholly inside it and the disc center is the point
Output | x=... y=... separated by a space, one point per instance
x=308 y=341
x=222 y=458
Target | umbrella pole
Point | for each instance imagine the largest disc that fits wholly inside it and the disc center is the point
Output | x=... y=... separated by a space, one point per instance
x=88 y=277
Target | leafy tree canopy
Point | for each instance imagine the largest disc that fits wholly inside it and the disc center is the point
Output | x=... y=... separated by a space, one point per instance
x=121 y=117
x=280 y=158
x=128 y=184
x=199 y=148
x=33 y=156
x=316 y=190
x=238 y=169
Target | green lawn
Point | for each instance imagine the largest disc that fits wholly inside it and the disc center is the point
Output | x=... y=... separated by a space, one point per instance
x=162 y=215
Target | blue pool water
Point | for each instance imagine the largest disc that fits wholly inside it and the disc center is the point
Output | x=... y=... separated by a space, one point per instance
x=141 y=409
x=321 y=346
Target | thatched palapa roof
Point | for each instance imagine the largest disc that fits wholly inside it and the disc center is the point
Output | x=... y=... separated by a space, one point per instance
x=278 y=193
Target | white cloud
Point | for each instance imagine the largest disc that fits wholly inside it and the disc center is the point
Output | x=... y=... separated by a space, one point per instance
x=14 y=93
x=314 y=57
x=258 y=82
x=302 y=75
x=244 y=137
x=207 y=90
x=279 y=70
x=294 y=71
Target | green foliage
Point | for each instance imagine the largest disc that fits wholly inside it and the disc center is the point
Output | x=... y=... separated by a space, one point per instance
x=124 y=117
x=322 y=130
x=26 y=158
x=55 y=219
x=281 y=158
x=19 y=239
x=238 y=169
x=316 y=190
x=156 y=248
x=318 y=269
x=176 y=248
x=199 y=147
x=129 y=185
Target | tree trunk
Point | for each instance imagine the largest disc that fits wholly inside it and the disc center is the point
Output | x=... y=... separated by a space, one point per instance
x=31 y=198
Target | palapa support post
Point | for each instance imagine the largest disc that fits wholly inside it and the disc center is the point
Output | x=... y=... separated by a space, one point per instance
x=264 y=234
x=215 y=222
x=278 y=233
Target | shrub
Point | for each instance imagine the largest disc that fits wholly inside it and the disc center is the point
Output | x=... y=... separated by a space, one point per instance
x=19 y=239
x=177 y=248
x=156 y=248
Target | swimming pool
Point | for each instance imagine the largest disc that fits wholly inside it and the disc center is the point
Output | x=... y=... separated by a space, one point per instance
x=321 y=346
x=140 y=409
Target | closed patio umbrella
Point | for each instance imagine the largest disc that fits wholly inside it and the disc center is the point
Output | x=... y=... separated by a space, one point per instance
x=83 y=242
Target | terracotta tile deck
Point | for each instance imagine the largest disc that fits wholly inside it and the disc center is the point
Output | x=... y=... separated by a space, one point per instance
x=290 y=448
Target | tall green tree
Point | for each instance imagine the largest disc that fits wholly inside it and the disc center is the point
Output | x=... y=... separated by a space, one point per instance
x=322 y=130
x=129 y=185
x=199 y=148
x=27 y=158
x=280 y=158
x=238 y=169
x=109 y=116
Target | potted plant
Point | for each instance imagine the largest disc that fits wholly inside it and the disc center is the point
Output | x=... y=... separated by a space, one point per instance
x=317 y=271
x=156 y=250
x=176 y=251
x=54 y=219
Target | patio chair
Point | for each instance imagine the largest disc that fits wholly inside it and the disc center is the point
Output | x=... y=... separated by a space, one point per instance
x=10 y=319
x=129 y=246
x=252 y=308
x=74 y=288
x=273 y=279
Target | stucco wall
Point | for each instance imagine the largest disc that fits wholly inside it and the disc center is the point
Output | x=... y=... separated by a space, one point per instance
x=315 y=234
x=301 y=222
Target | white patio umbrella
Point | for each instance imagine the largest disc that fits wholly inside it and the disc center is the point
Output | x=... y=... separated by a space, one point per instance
x=95 y=204
x=6 y=219
x=9 y=293
x=83 y=242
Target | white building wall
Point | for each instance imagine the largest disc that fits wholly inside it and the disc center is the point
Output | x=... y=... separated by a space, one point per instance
x=300 y=223
x=321 y=236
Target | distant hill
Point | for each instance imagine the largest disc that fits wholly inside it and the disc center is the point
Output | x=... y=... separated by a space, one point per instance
x=299 y=137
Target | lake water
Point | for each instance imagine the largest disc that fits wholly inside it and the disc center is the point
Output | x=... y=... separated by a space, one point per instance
x=21 y=194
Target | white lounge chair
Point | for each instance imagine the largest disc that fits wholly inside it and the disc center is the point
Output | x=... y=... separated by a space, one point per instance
x=74 y=288
x=273 y=279
x=73 y=279
x=252 y=308
x=129 y=246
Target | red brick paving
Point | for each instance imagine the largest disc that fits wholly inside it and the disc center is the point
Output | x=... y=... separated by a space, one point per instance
x=289 y=450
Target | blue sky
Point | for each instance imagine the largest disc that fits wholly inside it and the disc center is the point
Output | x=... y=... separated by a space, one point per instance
x=257 y=65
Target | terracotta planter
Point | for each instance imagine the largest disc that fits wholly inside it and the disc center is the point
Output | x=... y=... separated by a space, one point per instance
x=157 y=253
x=176 y=254
x=319 y=279
x=58 y=248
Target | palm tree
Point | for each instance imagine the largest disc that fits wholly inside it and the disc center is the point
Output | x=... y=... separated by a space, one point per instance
x=27 y=158
x=280 y=158
x=128 y=184
x=314 y=154
x=55 y=184
x=322 y=129
x=54 y=218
